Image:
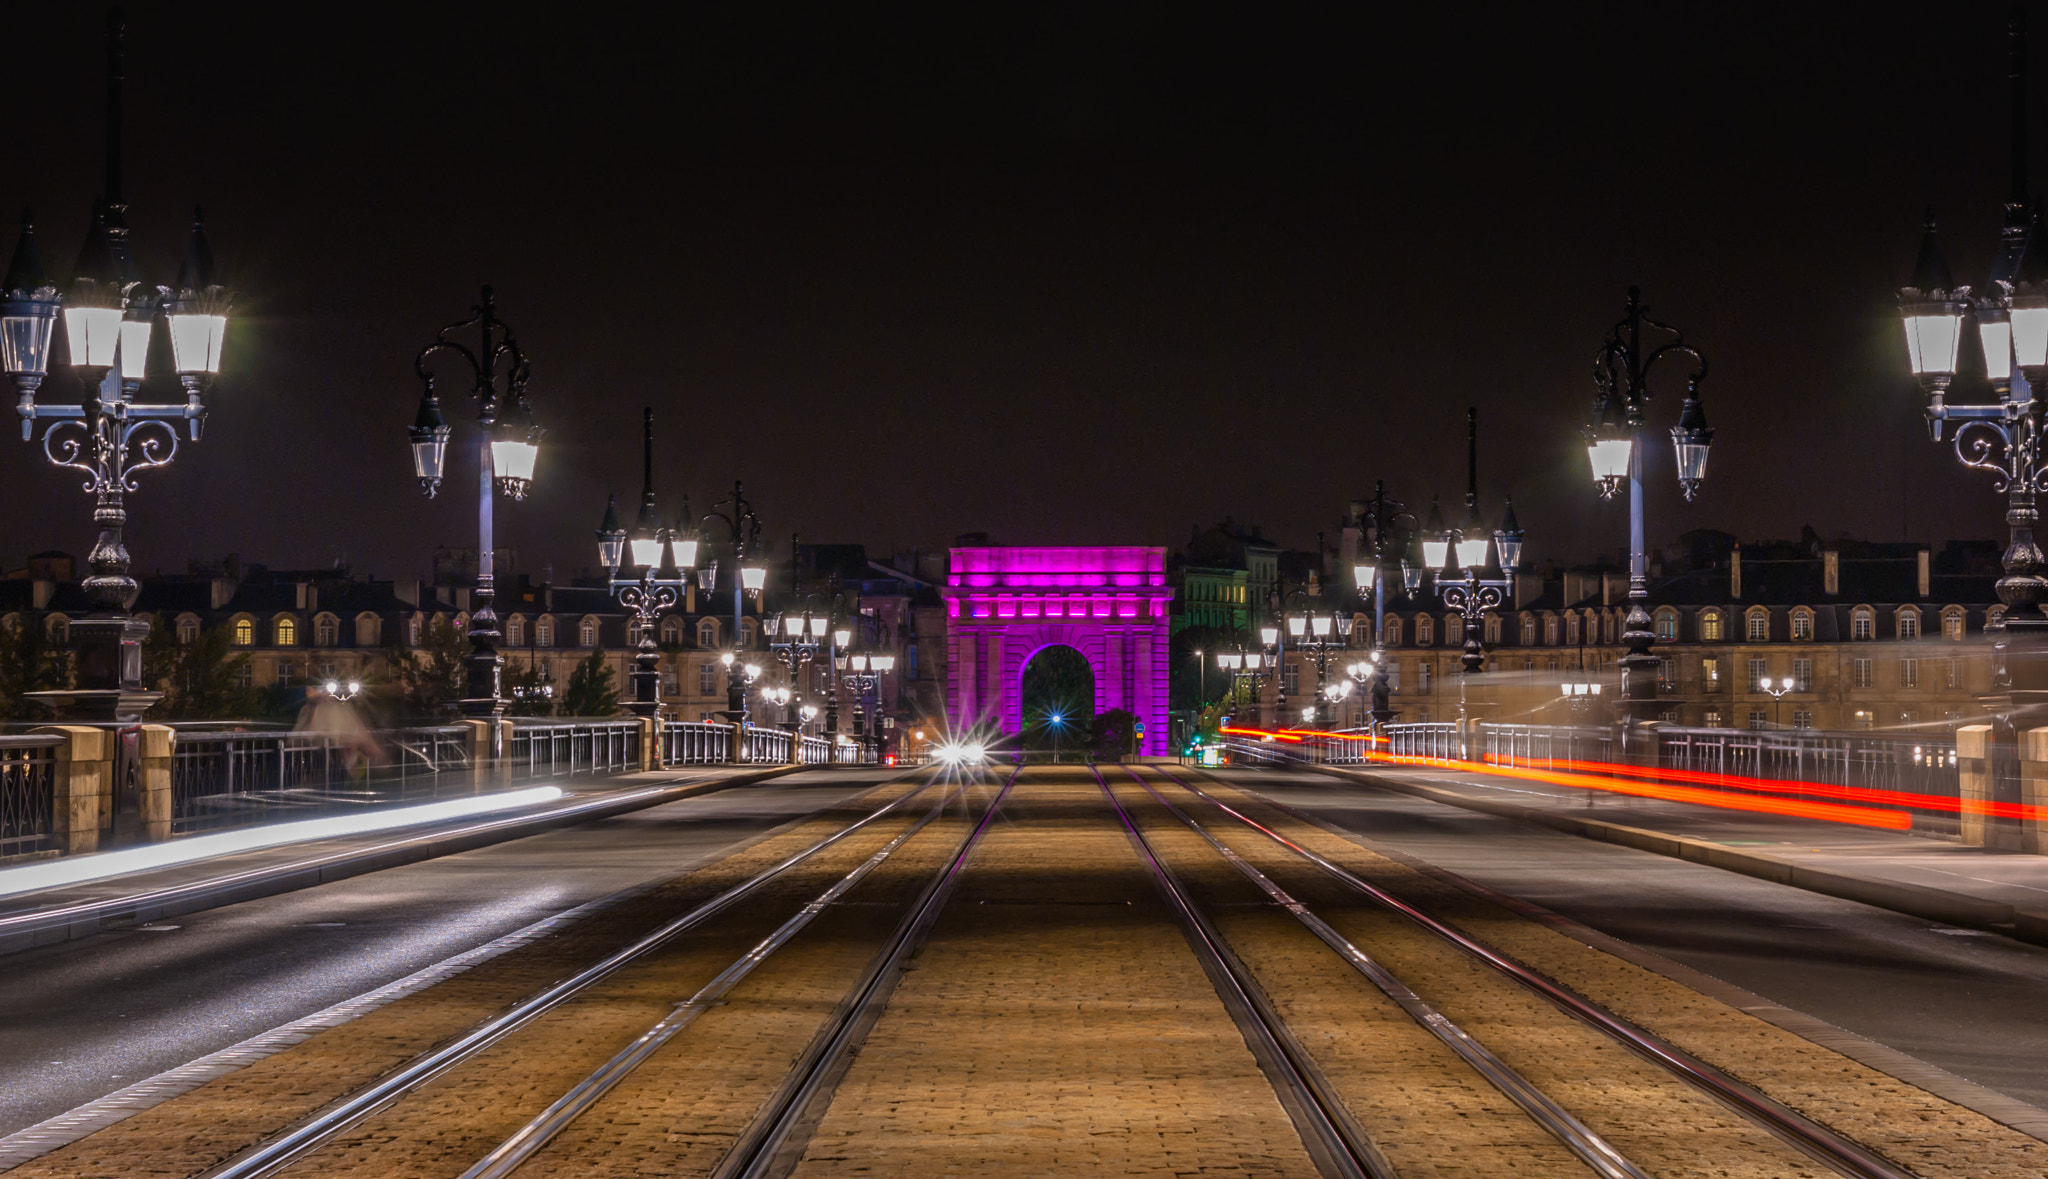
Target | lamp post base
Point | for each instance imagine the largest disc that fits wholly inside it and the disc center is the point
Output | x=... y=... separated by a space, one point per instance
x=117 y=706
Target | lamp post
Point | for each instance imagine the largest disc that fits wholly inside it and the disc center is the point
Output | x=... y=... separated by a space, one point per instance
x=2005 y=436
x=1473 y=571
x=507 y=444
x=1581 y=695
x=737 y=516
x=864 y=673
x=1248 y=670
x=1318 y=636
x=1274 y=653
x=1777 y=691
x=1614 y=445
x=109 y=317
x=1386 y=522
x=796 y=638
x=663 y=557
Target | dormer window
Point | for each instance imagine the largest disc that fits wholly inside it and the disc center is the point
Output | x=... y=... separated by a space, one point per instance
x=1802 y=625
x=1710 y=626
x=1863 y=623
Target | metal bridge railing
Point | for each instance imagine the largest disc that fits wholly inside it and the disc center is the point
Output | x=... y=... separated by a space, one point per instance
x=232 y=778
x=690 y=743
x=28 y=793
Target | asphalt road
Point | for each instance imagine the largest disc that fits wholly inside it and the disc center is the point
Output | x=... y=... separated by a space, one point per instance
x=81 y=1019
x=1963 y=1001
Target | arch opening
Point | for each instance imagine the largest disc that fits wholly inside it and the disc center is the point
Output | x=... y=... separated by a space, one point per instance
x=1056 y=698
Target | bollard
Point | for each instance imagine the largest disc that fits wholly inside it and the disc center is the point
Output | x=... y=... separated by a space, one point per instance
x=157 y=746
x=1973 y=758
x=2033 y=789
x=650 y=743
x=83 y=780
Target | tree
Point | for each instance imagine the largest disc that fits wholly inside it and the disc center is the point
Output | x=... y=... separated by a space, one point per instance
x=28 y=663
x=432 y=676
x=206 y=680
x=591 y=690
x=529 y=689
x=1114 y=734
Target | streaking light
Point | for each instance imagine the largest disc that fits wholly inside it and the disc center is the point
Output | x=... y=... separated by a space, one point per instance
x=101 y=865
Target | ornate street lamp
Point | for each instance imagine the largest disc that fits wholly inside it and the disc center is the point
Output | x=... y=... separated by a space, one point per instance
x=1248 y=671
x=507 y=445
x=1581 y=695
x=1474 y=570
x=796 y=637
x=1319 y=636
x=663 y=557
x=737 y=517
x=863 y=673
x=108 y=319
x=1614 y=446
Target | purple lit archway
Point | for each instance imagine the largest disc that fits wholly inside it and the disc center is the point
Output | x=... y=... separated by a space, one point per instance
x=1005 y=605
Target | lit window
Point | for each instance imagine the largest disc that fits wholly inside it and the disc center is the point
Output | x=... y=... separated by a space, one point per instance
x=1864 y=719
x=1952 y=625
x=1710 y=674
x=1710 y=626
x=1802 y=626
x=1952 y=673
x=1667 y=626
x=1712 y=719
x=245 y=633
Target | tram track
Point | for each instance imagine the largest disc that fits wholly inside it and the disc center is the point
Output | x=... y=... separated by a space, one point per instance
x=1821 y=1145
x=312 y=1133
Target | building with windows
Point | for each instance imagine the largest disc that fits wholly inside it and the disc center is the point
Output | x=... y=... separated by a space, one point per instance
x=1872 y=636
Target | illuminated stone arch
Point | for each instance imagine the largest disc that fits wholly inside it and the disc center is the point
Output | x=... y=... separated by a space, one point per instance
x=1005 y=605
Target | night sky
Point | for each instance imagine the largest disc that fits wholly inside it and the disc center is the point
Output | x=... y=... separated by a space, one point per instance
x=1072 y=275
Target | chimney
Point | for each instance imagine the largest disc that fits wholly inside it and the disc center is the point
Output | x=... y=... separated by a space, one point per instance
x=41 y=590
x=1831 y=571
x=304 y=597
x=407 y=591
x=462 y=599
x=1735 y=573
x=223 y=592
x=1925 y=579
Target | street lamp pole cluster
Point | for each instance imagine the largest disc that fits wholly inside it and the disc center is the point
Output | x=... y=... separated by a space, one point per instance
x=1247 y=669
x=1614 y=445
x=797 y=637
x=664 y=557
x=1473 y=571
x=507 y=445
x=109 y=318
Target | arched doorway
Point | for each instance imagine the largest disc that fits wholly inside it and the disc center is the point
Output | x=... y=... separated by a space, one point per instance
x=1005 y=605
x=1056 y=698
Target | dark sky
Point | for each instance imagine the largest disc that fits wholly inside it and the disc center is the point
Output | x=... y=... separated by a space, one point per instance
x=1065 y=275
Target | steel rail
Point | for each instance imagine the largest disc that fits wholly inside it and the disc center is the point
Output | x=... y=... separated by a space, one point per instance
x=774 y=1141
x=530 y=1138
x=313 y=1131
x=1816 y=1141
x=1595 y=1151
x=1333 y=1138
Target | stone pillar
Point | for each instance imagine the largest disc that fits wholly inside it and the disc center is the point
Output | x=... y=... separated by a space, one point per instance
x=483 y=769
x=83 y=780
x=156 y=746
x=737 y=750
x=1973 y=757
x=650 y=743
x=2034 y=789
